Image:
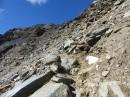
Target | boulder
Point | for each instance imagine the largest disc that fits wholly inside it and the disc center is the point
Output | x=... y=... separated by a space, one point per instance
x=53 y=89
x=54 y=68
x=68 y=63
x=52 y=58
x=94 y=37
x=105 y=73
x=24 y=89
x=68 y=43
x=54 y=62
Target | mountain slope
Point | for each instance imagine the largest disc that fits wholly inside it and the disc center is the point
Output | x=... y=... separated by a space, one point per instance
x=98 y=39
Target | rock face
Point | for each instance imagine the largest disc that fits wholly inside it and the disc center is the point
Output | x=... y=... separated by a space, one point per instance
x=91 y=54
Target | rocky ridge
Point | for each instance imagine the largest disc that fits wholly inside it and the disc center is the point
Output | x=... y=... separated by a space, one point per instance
x=86 y=57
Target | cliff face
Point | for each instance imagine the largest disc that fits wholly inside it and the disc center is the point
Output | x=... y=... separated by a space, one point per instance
x=92 y=50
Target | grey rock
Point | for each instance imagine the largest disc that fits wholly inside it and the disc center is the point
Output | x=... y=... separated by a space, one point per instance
x=118 y=2
x=92 y=38
x=101 y=31
x=54 y=62
x=52 y=58
x=53 y=89
x=70 y=50
x=24 y=89
x=68 y=43
x=54 y=68
x=68 y=64
x=14 y=77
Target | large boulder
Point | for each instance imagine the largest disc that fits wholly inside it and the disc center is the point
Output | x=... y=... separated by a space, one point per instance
x=54 y=62
x=24 y=89
x=53 y=89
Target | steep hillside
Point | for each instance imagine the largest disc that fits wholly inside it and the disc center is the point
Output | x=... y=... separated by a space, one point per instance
x=86 y=57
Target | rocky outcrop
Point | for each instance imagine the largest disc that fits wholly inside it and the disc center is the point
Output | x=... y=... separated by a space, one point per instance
x=87 y=57
x=27 y=87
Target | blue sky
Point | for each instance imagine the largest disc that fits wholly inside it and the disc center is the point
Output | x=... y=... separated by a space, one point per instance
x=24 y=13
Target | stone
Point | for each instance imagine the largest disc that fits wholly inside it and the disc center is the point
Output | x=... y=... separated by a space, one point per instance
x=15 y=76
x=92 y=60
x=52 y=58
x=54 y=62
x=24 y=89
x=53 y=89
x=76 y=50
x=71 y=49
x=100 y=31
x=108 y=57
x=92 y=38
x=54 y=68
x=68 y=43
x=68 y=63
x=118 y=2
x=105 y=73
x=127 y=14
x=108 y=33
x=61 y=78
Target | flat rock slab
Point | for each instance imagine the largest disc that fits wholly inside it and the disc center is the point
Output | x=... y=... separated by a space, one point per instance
x=114 y=86
x=24 y=89
x=53 y=89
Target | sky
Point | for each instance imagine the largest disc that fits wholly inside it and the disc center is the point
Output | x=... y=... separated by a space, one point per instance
x=25 y=13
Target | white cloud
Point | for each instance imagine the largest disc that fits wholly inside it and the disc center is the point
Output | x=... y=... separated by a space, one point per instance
x=39 y=2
